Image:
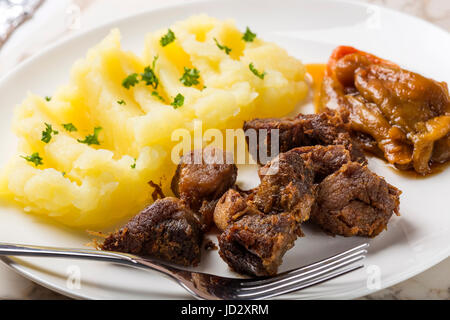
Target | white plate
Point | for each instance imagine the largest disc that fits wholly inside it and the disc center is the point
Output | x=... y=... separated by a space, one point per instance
x=309 y=30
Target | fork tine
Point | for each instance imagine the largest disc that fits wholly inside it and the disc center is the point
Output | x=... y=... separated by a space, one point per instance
x=304 y=285
x=310 y=272
x=298 y=279
x=308 y=268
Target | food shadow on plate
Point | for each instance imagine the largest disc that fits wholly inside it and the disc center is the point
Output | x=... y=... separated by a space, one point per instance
x=400 y=231
x=14 y=212
x=317 y=245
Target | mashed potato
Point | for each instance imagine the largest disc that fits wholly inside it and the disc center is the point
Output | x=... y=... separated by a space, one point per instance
x=96 y=186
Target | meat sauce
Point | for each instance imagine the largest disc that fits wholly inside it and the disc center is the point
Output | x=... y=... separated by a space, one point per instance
x=316 y=71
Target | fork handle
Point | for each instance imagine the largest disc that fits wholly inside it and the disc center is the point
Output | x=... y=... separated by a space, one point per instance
x=7 y=249
x=83 y=254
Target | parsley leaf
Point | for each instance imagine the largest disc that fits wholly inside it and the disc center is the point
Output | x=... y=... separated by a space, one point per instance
x=190 y=77
x=34 y=158
x=156 y=94
x=47 y=133
x=249 y=36
x=121 y=102
x=256 y=72
x=48 y=99
x=149 y=75
x=155 y=58
x=92 y=138
x=70 y=127
x=130 y=81
x=178 y=101
x=133 y=166
x=168 y=38
x=222 y=47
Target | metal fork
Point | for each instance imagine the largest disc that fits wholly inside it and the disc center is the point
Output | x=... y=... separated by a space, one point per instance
x=211 y=287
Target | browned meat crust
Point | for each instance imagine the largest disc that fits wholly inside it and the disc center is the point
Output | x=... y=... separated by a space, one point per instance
x=231 y=207
x=324 y=160
x=166 y=230
x=201 y=184
x=256 y=244
x=326 y=128
x=210 y=246
x=355 y=201
x=261 y=226
x=286 y=186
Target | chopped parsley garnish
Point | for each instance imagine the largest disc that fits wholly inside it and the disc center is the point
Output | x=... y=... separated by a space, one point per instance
x=150 y=78
x=69 y=127
x=149 y=75
x=34 y=158
x=178 y=101
x=92 y=138
x=249 y=36
x=168 y=38
x=121 y=102
x=256 y=72
x=133 y=166
x=63 y=173
x=130 y=81
x=190 y=77
x=47 y=133
x=48 y=99
x=155 y=58
x=222 y=47
x=156 y=94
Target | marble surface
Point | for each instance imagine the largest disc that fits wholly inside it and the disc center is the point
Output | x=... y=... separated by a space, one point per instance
x=59 y=18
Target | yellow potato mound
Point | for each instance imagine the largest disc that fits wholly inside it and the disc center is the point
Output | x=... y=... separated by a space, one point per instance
x=97 y=186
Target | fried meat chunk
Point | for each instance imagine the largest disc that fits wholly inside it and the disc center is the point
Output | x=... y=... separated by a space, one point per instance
x=202 y=177
x=166 y=230
x=326 y=128
x=324 y=160
x=256 y=244
x=287 y=185
x=355 y=201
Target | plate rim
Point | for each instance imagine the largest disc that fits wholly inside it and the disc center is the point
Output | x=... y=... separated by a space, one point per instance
x=14 y=264
x=348 y=295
